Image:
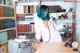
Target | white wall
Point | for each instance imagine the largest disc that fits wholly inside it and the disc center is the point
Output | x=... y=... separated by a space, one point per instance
x=78 y=21
x=64 y=5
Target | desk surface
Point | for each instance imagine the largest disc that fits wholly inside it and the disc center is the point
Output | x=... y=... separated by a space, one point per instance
x=53 y=48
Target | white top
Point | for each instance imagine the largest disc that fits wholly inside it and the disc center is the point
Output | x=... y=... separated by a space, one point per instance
x=41 y=30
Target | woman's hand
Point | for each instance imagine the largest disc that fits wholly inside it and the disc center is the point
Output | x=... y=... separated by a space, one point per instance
x=65 y=25
x=37 y=41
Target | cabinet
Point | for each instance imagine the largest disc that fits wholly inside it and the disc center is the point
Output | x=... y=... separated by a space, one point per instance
x=24 y=16
x=7 y=25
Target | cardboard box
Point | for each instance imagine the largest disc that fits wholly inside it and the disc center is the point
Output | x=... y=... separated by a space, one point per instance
x=4 y=47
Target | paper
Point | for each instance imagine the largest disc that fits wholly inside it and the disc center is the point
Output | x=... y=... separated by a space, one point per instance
x=21 y=40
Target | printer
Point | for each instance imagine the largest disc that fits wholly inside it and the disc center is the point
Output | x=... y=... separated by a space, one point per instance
x=18 y=46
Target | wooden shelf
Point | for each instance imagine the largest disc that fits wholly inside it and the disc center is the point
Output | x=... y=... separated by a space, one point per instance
x=7 y=17
x=12 y=8
x=7 y=5
x=30 y=14
x=24 y=22
x=27 y=32
x=3 y=42
x=34 y=2
x=28 y=1
x=7 y=29
x=1 y=4
x=64 y=19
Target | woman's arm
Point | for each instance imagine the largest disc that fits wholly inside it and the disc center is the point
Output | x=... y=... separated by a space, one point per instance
x=60 y=26
x=37 y=29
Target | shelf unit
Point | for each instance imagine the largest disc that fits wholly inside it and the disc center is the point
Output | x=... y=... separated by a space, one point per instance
x=7 y=21
x=6 y=17
x=27 y=32
x=4 y=42
x=27 y=9
x=7 y=29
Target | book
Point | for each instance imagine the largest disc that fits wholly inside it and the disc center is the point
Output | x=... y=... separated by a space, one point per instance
x=2 y=24
x=19 y=15
x=3 y=37
x=22 y=35
x=1 y=11
x=20 y=19
x=11 y=34
x=8 y=12
x=32 y=9
x=26 y=9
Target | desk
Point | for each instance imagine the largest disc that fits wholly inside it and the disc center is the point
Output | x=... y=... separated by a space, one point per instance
x=53 y=48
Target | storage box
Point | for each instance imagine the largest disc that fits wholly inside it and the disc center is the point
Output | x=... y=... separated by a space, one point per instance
x=4 y=47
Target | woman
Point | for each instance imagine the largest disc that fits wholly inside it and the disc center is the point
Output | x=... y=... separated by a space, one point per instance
x=45 y=27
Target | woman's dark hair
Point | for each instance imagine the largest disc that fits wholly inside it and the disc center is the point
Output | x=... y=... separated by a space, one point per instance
x=42 y=12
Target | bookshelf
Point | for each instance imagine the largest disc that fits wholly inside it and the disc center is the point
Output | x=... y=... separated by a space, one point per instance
x=24 y=16
x=6 y=5
x=8 y=29
x=4 y=42
x=7 y=25
x=7 y=18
